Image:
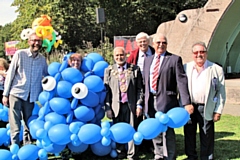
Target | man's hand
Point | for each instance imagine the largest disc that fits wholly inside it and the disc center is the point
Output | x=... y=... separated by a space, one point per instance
x=109 y=114
x=138 y=111
x=189 y=108
x=5 y=101
x=216 y=117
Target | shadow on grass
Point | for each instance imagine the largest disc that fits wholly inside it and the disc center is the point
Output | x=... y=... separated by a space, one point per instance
x=224 y=148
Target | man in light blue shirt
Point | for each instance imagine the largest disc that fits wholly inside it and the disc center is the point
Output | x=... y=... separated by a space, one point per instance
x=23 y=85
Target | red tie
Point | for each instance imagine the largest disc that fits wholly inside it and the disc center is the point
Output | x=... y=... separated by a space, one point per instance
x=155 y=73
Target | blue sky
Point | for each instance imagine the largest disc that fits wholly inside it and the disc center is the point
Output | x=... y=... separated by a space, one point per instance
x=7 y=13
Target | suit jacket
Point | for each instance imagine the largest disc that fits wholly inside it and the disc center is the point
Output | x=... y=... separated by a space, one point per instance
x=171 y=77
x=134 y=88
x=133 y=58
x=213 y=89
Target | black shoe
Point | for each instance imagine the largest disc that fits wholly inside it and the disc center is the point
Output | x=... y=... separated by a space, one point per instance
x=122 y=155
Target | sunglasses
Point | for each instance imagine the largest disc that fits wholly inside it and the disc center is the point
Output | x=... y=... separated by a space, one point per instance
x=201 y=52
x=159 y=42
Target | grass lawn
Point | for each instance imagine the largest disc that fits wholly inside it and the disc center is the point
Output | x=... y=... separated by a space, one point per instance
x=227 y=142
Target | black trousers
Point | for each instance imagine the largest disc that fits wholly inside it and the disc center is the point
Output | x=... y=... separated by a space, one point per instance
x=206 y=129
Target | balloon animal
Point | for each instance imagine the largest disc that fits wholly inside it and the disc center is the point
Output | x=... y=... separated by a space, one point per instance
x=69 y=113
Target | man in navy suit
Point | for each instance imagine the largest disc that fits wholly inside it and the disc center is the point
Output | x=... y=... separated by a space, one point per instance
x=161 y=92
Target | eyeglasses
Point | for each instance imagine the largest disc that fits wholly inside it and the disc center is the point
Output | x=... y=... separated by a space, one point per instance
x=159 y=42
x=201 y=52
x=36 y=40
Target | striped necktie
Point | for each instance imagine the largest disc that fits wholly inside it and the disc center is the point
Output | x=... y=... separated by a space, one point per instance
x=155 y=73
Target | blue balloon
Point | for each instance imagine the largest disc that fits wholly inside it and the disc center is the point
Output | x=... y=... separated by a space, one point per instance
x=74 y=127
x=84 y=113
x=53 y=68
x=14 y=148
x=102 y=96
x=59 y=134
x=41 y=133
x=113 y=153
x=64 y=89
x=5 y=154
x=4 y=136
x=45 y=96
x=32 y=118
x=35 y=109
x=69 y=117
x=34 y=126
x=91 y=100
x=60 y=105
x=99 y=149
x=44 y=110
x=178 y=117
x=54 y=148
x=150 y=128
x=42 y=153
x=122 y=132
x=89 y=133
x=55 y=118
x=100 y=115
x=138 y=137
x=64 y=64
x=163 y=118
x=94 y=83
x=72 y=75
x=106 y=141
x=28 y=151
x=95 y=57
x=87 y=64
x=99 y=68
x=79 y=148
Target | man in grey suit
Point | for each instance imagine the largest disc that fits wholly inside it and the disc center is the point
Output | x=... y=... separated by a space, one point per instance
x=124 y=98
x=164 y=77
x=207 y=90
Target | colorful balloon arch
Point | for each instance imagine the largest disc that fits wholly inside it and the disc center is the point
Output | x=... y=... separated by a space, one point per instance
x=71 y=115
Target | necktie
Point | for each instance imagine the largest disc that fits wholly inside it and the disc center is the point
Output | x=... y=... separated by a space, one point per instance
x=155 y=73
x=123 y=87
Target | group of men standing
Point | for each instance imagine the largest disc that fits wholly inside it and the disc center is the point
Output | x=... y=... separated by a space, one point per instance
x=151 y=80
x=148 y=81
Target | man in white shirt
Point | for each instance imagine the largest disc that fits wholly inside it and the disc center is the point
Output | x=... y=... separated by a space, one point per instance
x=207 y=90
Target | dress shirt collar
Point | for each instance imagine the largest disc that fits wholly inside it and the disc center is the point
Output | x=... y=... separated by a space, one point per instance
x=156 y=55
x=148 y=53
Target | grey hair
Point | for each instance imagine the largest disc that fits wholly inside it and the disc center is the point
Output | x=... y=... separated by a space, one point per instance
x=142 y=35
x=159 y=35
x=200 y=43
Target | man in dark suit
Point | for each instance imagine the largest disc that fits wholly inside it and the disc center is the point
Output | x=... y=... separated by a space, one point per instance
x=164 y=77
x=137 y=57
x=124 y=98
x=144 y=50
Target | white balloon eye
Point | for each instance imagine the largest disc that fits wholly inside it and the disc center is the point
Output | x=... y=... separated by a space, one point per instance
x=48 y=83
x=79 y=90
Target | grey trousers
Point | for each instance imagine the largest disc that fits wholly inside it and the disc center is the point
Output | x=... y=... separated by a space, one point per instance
x=19 y=110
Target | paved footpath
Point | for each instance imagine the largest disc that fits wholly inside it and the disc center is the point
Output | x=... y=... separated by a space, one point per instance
x=232 y=105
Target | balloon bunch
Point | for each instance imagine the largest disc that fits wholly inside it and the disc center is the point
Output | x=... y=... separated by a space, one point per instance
x=72 y=112
x=43 y=28
x=3 y=113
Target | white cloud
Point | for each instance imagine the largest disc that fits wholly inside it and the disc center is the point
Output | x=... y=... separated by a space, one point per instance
x=7 y=12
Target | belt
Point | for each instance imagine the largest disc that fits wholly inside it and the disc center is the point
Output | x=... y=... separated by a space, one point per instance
x=198 y=104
